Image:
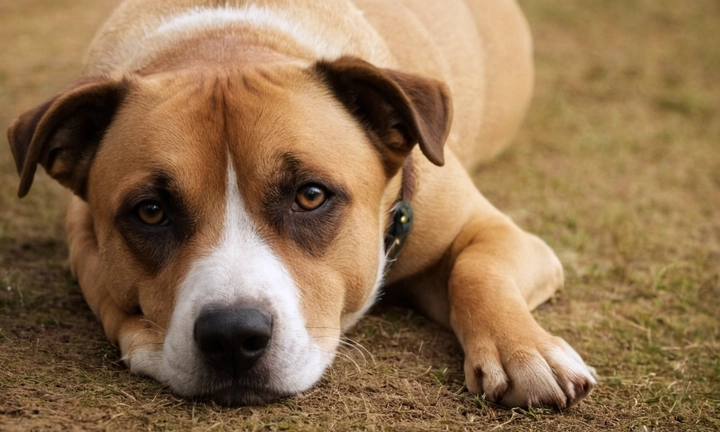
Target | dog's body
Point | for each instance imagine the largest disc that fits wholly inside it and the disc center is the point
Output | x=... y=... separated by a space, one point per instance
x=236 y=166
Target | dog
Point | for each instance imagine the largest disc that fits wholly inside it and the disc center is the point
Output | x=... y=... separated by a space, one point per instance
x=248 y=175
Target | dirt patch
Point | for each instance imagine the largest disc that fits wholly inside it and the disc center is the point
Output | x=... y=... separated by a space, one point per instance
x=617 y=167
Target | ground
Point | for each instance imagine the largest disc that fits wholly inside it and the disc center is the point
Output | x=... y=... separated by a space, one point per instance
x=617 y=167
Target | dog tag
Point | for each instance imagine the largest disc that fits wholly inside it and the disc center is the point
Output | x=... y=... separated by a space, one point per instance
x=399 y=230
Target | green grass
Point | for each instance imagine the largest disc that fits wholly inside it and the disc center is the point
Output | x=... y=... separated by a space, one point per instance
x=617 y=166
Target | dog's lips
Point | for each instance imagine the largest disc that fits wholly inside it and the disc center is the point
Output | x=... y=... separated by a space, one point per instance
x=250 y=387
x=239 y=392
x=262 y=384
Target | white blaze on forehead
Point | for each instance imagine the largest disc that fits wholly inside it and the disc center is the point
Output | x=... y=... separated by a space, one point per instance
x=242 y=269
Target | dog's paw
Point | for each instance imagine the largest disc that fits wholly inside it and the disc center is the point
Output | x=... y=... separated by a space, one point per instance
x=546 y=372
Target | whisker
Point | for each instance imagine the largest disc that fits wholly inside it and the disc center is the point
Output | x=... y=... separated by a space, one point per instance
x=343 y=355
x=360 y=347
x=349 y=344
x=133 y=335
x=145 y=320
x=136 y=332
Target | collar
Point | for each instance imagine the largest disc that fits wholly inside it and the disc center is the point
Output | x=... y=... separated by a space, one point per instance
x=401 y=215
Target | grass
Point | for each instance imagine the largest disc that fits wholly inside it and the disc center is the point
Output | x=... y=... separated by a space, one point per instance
x=617 y=166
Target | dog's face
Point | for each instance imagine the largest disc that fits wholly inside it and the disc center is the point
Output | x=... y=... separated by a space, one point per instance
x=241 y=213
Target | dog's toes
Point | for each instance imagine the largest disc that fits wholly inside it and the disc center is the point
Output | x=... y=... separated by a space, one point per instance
x=546 y=374
x=573 y=376
x=532 y=382
x=552 y=376
x=485 y=375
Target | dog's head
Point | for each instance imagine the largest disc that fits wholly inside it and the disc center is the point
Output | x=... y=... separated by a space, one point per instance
x=240 y=213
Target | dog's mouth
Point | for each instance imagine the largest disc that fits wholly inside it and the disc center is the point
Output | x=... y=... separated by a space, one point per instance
x=229 y=387
x=239 y=392
x=262 y=384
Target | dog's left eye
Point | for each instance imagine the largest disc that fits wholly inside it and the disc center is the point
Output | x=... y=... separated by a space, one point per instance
x=150 y=213
x=310 y=197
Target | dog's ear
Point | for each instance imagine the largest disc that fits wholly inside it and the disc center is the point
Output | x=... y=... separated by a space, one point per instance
x=399 y=109
x=63 y=133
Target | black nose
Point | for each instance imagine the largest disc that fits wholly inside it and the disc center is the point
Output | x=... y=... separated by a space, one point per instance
x=233 y=338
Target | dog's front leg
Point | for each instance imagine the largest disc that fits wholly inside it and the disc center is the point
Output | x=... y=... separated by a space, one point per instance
x=498 y=274
x=122 y=322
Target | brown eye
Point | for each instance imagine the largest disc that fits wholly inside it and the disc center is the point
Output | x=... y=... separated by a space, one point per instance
x=309 y=197
x=150 y=213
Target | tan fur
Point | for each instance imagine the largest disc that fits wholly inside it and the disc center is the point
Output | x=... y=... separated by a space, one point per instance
x=466 y=264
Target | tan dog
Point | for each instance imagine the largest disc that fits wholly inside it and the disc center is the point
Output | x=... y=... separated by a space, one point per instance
x=240 y=171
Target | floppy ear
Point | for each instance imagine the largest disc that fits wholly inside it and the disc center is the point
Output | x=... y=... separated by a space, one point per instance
x=63 y=133
x=399 y=109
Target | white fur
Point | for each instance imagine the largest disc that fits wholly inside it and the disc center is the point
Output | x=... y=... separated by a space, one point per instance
x=144 y=362
x=256 y=17
x=240 y=268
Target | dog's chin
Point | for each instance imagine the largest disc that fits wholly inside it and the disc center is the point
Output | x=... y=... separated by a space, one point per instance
x=231 y=390
x=235 y=395
x=257 y=386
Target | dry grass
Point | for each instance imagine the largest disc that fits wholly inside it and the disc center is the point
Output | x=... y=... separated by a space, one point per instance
x=617 y=166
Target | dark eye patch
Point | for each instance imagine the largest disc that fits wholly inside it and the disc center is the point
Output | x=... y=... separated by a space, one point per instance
x=154 y=245
x=312 y=230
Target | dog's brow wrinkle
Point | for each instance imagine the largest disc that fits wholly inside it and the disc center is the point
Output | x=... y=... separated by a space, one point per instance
x=249 y=85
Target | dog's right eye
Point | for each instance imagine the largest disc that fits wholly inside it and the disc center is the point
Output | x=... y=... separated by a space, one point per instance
x=310 y=197
x=150 y=213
